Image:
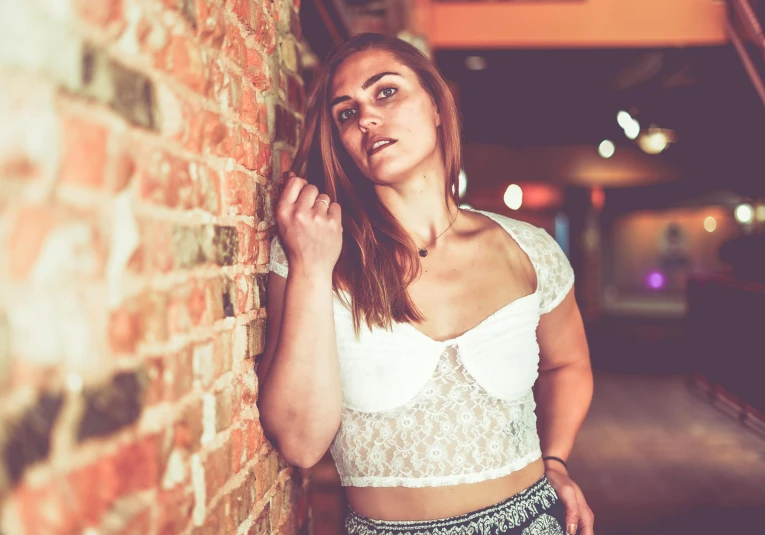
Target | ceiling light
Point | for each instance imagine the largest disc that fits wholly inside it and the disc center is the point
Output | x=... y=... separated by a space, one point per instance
x=632 y=129
x=623 y=118
x=513 y=196
x=606 y=148
x=476 y=63
x=744 y=213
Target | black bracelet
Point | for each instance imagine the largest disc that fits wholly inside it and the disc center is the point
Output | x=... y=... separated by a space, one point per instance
x=551 y=458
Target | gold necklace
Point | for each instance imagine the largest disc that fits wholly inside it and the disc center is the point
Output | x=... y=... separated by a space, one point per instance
x=424 y=250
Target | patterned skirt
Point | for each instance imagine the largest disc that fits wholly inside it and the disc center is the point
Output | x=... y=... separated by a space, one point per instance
x=536 y=510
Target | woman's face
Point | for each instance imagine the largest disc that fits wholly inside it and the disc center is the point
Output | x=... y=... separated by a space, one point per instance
x=386 y=120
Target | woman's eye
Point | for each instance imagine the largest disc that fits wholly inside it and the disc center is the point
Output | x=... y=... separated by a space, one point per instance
x=388 y=92
x=345 y=114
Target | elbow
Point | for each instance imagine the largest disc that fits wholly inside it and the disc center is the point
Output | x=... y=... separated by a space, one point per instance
x=300 y=456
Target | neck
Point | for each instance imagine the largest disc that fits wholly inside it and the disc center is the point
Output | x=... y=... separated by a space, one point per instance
x=420 y=205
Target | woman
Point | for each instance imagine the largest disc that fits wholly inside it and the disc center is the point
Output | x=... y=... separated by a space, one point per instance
x=405 y=334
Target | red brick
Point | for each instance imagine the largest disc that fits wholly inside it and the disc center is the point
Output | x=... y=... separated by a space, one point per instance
x=265 y=31
x=183 y=59
x=99 y=12
x=253 y=438
x=175 y=508
x=264 y=159
x=257 y=70
x=46 y=509
x=211 y=23
x=243 y=294
x=218 y=469
x=32 y=226
x=124 y=330
x=187 y=431
x=84 y=152
x=295 y=95
x=123 y=170
x=197 y=305
x=97 y=486
x=252 y=112
x=233 y=45
x=154 y=328
x=139 y=524
x=248 y=243
x=238 y=194
x=236 y=450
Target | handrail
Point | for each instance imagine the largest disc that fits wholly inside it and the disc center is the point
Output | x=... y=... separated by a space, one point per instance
x=753 y=33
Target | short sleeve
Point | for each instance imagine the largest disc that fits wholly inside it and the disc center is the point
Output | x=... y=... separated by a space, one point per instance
x=278 y=258
x=555 y=276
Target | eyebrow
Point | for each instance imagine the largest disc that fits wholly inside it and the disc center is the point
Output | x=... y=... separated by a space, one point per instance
x=371 y=80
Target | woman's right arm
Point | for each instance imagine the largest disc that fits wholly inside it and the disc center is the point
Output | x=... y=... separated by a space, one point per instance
x=300 y=396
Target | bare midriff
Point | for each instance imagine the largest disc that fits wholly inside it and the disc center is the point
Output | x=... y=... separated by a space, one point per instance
x=429 y=503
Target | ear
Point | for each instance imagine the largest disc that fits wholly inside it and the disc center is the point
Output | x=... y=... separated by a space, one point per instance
x=438 y=113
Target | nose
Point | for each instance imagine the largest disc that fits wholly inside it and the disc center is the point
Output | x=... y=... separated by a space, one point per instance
x=368 y=118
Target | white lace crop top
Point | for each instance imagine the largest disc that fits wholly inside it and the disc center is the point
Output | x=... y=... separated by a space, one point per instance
x=423 y=413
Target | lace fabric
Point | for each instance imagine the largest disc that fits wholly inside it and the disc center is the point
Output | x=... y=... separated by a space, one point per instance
x=451 y=432
x=419 y=412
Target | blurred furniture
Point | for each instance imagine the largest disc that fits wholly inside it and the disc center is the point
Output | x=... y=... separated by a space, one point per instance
x=726 y=339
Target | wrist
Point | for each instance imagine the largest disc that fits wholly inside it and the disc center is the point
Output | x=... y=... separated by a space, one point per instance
x=552 y=462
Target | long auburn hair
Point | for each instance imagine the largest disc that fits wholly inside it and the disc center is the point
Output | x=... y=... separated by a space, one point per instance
x=378 y=259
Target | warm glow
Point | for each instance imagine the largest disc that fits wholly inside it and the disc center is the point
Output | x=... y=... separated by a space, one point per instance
x=597 y=198
x=710 y=224
x=632 y=129
x=475 y=63
x=514 y=196
x=760 y=212
x=606 y=148
x=744 y=213
x=653 y=142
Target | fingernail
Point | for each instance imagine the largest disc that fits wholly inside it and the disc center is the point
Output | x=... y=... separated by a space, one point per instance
x=571 y=529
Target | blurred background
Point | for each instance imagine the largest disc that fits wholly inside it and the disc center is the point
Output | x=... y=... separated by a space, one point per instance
x=141 y=148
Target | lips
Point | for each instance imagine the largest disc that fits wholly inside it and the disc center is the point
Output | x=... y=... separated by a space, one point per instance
x=378 y=143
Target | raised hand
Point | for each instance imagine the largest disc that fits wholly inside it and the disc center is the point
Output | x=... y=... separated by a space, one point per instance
x=310 y=227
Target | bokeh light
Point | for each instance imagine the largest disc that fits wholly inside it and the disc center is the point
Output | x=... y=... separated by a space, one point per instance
x=606 y=148
x=513 y=196
x=655 y=280
x=744 y=213
x=710 y=224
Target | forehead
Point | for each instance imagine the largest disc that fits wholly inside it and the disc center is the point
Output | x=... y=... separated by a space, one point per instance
x=357 y=68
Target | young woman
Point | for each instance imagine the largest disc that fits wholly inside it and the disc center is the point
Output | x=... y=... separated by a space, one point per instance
x=406 y=334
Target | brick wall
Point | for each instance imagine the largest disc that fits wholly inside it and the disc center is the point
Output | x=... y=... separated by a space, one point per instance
x=139 y=140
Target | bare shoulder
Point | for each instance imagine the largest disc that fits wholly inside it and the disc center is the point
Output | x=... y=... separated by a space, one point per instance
x=490 y=233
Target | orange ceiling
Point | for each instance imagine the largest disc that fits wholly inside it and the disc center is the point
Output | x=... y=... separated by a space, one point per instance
x=564 y=24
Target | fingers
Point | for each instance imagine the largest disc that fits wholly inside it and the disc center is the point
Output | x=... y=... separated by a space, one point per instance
x=586 y=516
x=568 y=496
x=322 y=203
x=292 y=189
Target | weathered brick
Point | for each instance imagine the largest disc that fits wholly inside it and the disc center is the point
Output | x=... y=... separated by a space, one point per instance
x=225 y=243
x=262 y=524
x=185 y=61
x=238 y=194
x=175 y=506
x=114 y=405
x=124 y=330
x=286 y=126
x=218 y=469
x=97 y=486
x=257 y=70
x=248 y=244
x=84 y=157
x=154 y=317
x=256 y=336
x=188 y=429
x=27 y=440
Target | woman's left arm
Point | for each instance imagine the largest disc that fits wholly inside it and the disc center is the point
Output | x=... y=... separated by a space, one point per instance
x=563 y=393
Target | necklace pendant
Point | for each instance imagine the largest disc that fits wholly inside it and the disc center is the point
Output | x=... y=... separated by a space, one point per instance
x=423 y=253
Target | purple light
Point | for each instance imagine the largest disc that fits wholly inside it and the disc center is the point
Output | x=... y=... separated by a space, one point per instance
x=655 y=280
